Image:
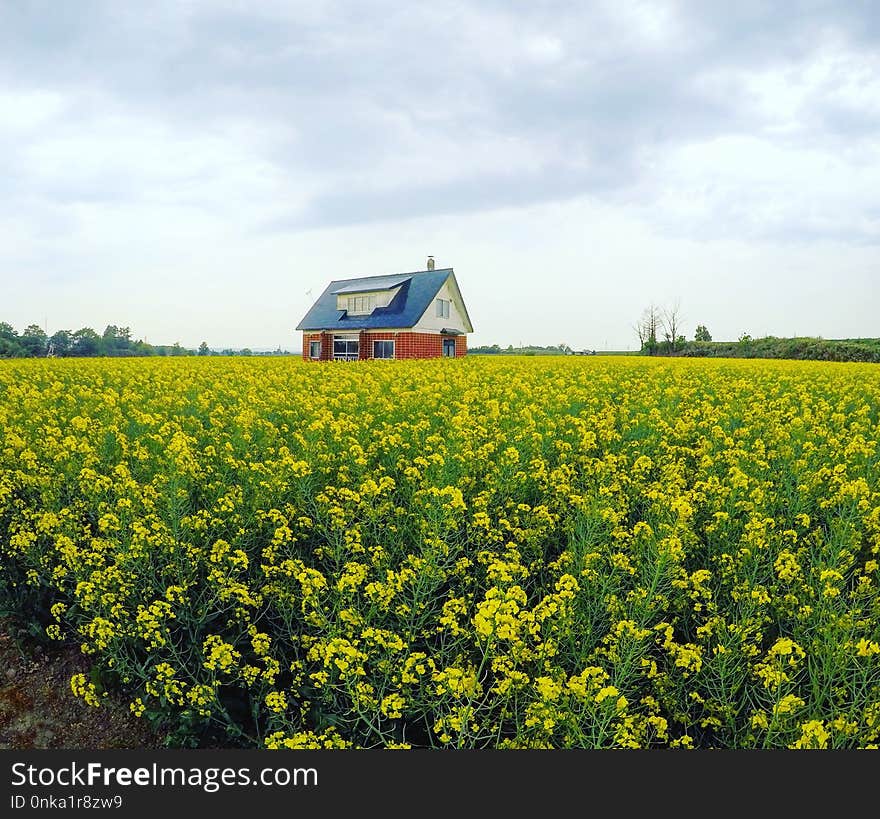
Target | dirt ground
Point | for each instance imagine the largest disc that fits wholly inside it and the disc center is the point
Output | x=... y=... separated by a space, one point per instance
x=38 y=710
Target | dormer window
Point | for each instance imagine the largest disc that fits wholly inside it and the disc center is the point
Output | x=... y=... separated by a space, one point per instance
x=360 y=305
x=442 y=308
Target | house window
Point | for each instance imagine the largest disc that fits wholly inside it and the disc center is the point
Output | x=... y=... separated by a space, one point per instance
x=361 y=304
x=449 y=347
x=383 y=349
x=345 y=349
x=442 y=308
x=314 y=349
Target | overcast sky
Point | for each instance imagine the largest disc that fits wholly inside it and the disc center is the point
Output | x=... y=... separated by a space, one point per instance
x=201 y=170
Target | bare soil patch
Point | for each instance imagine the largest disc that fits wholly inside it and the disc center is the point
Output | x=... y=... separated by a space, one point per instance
x=38 y=710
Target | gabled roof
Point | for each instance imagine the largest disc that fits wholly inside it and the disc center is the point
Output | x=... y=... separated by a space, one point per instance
x=415 y=292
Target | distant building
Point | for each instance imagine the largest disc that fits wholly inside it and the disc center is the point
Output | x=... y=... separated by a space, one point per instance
x=405 y=315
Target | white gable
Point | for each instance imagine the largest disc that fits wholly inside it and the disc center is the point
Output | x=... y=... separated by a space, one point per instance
x=456 y=320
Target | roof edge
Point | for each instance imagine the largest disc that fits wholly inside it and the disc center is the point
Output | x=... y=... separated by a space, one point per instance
x=389 y=275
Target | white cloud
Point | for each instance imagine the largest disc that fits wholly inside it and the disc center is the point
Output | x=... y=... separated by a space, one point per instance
x=25 y=111
x=749 y=187
x=193 y=168
x=544 y=49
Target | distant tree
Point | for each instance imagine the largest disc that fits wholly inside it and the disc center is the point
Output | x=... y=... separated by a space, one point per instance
x=61 y=343
x=646 y=329
x=564 y=348
x=116 y=341
x=701 y=333
x=108 y=340
x=86 y=342
x=246 y=351
x=671 y=320
x=176 y=349
x=140 y=347
x=203 y=348
x=9 y=342
x=34 y=341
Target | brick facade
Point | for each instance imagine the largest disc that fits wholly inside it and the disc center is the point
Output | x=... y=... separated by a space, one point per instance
x=326 y=340
x=406 y=344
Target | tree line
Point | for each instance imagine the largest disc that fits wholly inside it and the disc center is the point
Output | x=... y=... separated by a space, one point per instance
x=33 y=342
x=660 y=332
x=532 y=349
x=115 y=341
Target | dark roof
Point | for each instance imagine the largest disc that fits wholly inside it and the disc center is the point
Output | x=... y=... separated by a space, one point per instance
x=371 y=283
x=415 y=292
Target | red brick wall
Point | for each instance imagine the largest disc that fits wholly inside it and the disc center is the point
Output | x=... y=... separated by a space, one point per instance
x=407 y=345
x=418 y=345
x=326 y=340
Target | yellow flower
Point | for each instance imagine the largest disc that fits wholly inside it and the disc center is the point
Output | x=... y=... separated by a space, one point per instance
x=814 y=734
x=606 y=692
x=220 y=655
x=788 y=704
x=531 y=552
x=85 y=690
x=393 y=705
x=276 y=701
x=865 y=648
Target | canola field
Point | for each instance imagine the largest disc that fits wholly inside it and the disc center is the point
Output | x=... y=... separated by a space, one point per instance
x=482 y=553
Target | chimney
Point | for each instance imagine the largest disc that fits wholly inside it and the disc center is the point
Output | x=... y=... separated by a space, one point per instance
x=430 y=262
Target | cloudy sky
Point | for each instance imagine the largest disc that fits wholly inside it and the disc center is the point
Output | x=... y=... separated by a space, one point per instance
x=199 y=170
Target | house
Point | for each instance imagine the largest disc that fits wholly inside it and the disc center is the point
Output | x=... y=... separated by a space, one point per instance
x=404 y=315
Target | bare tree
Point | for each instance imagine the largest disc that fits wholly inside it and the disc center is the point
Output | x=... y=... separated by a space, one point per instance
x=646 y=328
x=671 y=321
x=639 y=328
